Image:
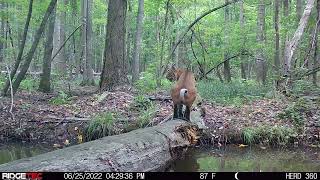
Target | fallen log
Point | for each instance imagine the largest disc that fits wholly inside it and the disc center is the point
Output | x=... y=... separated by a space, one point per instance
x=148 y=149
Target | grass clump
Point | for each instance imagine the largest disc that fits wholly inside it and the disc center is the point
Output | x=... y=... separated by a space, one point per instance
x=29 y=84
x=146 y=116
x=101 y=125
x=145 y=110
x=61 y=99
x=2 y=80
x=297 y=111
x=236 y=92
x=267 y=134
x=140 y=102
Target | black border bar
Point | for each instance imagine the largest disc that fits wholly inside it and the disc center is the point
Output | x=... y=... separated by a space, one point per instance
x=160 y=175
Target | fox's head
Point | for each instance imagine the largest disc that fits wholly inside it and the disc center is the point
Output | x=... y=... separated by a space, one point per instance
x=173 y=74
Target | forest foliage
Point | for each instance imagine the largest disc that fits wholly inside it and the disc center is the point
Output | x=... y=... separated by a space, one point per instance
x=228 y=43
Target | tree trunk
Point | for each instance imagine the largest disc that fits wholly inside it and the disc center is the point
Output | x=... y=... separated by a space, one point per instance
x=292 y=44
x=74 y=46
x=129 y=37
x=286 y=8
x=299 y=5
x=87 y=44
x=33 y=48
x=114 y=53
x=21 y=48
x=243 y=64
x=2 y=34
x=45 y=81
x=316 y=56
x=277 y=37
x=226 y=64
x=261 y=36
x=137 y=45
x=164 y=35
x=62 y=58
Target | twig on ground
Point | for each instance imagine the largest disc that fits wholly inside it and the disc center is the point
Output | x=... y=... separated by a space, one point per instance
x=163 y=98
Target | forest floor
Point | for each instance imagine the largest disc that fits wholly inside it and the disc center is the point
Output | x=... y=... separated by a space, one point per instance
x=60 y=120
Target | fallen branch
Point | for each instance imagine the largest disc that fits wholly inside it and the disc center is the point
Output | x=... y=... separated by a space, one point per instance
x=154 y=98
x=61 y=120
x=69 y=118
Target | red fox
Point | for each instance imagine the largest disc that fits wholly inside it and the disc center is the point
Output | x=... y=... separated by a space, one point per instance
x=183 y=93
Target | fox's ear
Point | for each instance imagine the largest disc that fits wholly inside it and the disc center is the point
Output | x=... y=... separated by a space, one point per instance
x=178 y=73
x=173 y=67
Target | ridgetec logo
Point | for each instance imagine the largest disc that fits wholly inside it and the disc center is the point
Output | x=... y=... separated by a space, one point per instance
x=26 y=176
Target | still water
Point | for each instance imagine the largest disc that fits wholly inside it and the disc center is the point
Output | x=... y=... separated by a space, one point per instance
x=233 y=158
x=13 y=151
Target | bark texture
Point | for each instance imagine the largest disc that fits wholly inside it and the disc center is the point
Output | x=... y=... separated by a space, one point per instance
x=114 y=63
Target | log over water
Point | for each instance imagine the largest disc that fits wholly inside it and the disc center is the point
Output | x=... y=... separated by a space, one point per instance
x=148 y=149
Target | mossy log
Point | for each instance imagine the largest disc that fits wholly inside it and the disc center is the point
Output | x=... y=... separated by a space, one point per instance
x=148 y=149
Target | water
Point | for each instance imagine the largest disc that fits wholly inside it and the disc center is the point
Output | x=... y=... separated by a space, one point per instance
x=230 y=158
x=13 y=151
x=233 y=158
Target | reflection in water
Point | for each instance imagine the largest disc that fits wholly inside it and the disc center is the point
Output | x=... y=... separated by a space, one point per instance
x=233 y=158
x=13 y=151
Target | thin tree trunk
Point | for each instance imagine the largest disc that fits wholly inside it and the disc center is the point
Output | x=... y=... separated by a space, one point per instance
x=137 y=45
x=45 y=80
x=87 y=44
x=260 y=60
x=2 y=34
x=129 y=37
x=164 y=35
x=285 y=5
x=286 y=8
x=62 y=64
x=226 y=64
x=277 y=37
x=33 y=48
x=113 y=72
x=316 y=56
x=21 y=48
x=299 y=5
x=243 y=64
